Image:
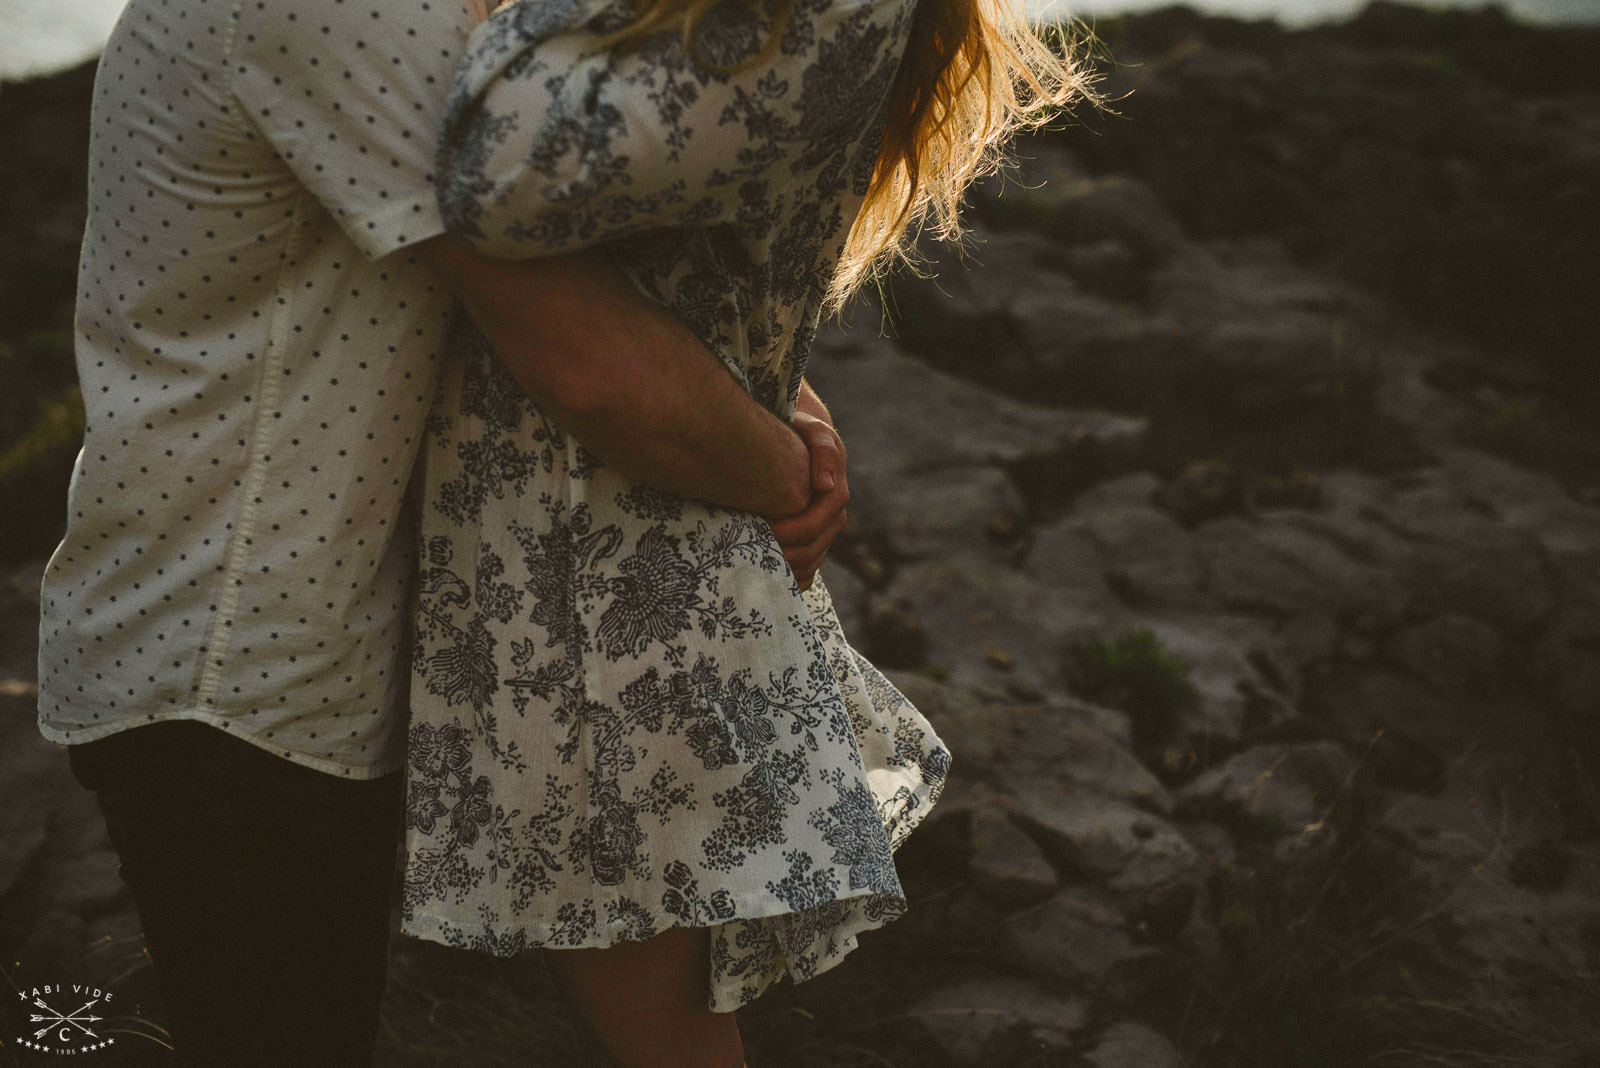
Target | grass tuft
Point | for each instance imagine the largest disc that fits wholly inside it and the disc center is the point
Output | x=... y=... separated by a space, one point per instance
x=1133 y=672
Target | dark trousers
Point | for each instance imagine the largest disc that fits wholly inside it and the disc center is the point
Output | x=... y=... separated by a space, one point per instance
x=263 y=887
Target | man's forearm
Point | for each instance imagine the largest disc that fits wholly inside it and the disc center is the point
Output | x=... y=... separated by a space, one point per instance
x=627 y=379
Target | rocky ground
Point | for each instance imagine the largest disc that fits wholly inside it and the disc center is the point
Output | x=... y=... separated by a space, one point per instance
x=1235 y=516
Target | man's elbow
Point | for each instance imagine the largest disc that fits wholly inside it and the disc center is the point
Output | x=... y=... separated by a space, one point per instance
x=559 y=380
x=583 y=392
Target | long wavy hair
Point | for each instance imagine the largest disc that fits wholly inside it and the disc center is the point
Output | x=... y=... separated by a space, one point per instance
x=973 y=73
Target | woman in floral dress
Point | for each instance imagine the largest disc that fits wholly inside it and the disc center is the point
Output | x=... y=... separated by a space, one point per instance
x=631 y=728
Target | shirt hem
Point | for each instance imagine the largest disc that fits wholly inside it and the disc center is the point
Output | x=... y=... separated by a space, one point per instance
x=397 y=226
x=80 y=735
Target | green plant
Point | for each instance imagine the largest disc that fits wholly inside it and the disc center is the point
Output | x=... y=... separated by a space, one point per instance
x=1134 y=672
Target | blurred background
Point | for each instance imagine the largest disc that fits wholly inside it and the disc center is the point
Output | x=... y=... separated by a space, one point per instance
x=1232 y=507
x=42 y=36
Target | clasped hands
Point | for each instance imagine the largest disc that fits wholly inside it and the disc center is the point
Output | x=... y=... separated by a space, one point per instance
x=640 y=389
x=806 y=536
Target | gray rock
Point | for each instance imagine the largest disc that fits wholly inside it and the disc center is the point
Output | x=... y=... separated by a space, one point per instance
x=982 y=729
x=1450 y=829
x=61 y=893
x=1359 y=700
x=1064 y=555
x=93 y=884
x=22 y=839
x=1203 y=490
x=1107 y=839
x=1521 y=499
x=973 y=609
x=1006 y=865
x=1466 y=854
x=961 y=922
x=949 y=512
x=985 y=1019
x=35 y=774
x=1463 y=557
x=1453 y=653
x=1567 y=656
x=1279 y=567
x=1003 y=741
x=1575 y=574
x=1057 y=198
x=1217 y=649
x=1511 y=931
x=1302 y=860
x=1245 y=576
x=19 y=628
x=938 y=421
x=1081 y=938
x=1148 y=558
x=1134 y=488
x=1110 y=267
x=1279 y=789
x=1133 y=1045
x=1000 y=740
x=1113 y=723
x=1502 y=579
x=894 y=634
x=849 y=595
x=1075 y=346
x=1346 y=521
x=59 y=879
x=934 y=699
x=1304 y=640
x=1280 y=360
x=1053 y=339
x=1072 y=751
x=1211 y=841
x=1566 y=653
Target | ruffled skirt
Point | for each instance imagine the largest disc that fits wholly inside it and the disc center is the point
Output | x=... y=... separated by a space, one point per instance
x=626 y=717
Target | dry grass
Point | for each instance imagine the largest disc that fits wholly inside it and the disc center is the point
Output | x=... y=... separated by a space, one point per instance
x=1349 y=959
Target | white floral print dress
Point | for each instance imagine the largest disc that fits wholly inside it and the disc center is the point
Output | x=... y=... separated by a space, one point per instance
x=625 y=716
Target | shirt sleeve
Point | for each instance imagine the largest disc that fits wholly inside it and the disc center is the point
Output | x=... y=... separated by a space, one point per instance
x=351 y=93
x=551 y=144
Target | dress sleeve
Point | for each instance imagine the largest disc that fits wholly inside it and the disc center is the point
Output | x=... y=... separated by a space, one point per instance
x=551 y=144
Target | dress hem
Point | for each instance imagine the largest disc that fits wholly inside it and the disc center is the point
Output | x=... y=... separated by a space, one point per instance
x=723 y=996
x=509 y=940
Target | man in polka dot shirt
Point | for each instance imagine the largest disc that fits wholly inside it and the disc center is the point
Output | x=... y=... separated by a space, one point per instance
x=263 y=290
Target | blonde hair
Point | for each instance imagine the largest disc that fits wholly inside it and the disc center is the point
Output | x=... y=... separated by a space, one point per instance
x=973 y=73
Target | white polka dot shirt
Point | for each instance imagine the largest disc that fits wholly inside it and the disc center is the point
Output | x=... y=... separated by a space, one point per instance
x=257 y=355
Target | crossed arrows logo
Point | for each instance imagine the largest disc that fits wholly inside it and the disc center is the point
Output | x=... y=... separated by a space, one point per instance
x=55 y=1019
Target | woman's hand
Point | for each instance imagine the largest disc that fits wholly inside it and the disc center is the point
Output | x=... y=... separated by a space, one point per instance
x=806 y=537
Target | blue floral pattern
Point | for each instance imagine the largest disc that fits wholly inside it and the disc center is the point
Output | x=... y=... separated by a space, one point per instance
x=625 y=715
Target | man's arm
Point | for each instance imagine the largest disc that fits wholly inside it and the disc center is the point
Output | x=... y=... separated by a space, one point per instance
x=628 y=379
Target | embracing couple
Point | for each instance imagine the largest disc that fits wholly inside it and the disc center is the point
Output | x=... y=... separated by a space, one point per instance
x=450 y=476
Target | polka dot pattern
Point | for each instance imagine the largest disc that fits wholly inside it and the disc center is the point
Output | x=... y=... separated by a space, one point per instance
x=257 y=352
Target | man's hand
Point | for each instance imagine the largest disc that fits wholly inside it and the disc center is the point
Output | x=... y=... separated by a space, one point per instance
x=806 y=537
